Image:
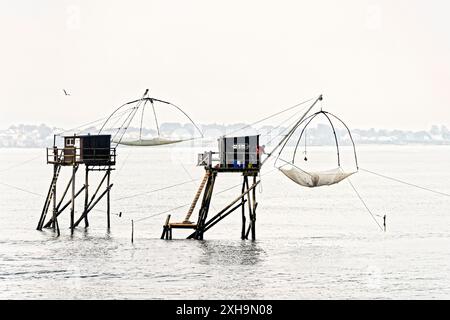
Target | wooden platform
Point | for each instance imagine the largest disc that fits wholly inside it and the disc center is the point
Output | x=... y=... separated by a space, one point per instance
x=182 y=225
x=245 y=171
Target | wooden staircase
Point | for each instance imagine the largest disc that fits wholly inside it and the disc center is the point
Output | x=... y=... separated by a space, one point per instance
x=49 y=197
x=203 y=224
x=186 y=224
x=197 y=196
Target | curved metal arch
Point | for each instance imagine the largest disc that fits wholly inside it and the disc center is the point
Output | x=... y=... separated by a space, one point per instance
x=289 y=135
x=131 y=116
x=146 y=99
x=310 y=119
x=181 y=110
x=335 y=139
x=334 y=134
x=115 y=111
x=349 y=134
x=301 y=134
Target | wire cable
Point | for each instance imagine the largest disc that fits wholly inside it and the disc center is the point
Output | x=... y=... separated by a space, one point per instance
x=406 y=183
x=156 y=190
x=21 y=189
x=20 y=164
x=187 y=204
x=364 y=203
x=270 y=116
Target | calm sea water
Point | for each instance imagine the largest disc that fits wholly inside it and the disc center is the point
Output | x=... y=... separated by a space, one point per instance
x=312 y=243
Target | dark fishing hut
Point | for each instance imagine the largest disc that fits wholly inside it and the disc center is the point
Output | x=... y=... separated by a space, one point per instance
x=96 y=154
x=236 y=155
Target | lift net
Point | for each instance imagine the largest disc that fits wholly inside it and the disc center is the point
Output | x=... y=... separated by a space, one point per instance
x=314 y=179
x=149 y=142
x=138 y=123
x=311 y=178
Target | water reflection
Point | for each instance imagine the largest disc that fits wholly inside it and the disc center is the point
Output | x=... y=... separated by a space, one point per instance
x=222 y=252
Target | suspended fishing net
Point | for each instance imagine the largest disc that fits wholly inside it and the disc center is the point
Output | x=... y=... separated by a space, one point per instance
x=150 y=122
x=148 y=142
x=307 y=150
x=314 y=179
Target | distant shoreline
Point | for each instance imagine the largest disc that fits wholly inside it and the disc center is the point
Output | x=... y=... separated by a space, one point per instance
x=446 y=144
x=41 y=136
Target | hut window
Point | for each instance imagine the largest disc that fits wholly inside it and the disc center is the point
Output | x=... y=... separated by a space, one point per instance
x=69 y=142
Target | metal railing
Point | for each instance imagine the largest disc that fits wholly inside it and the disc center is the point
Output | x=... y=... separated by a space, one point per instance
x=75 y=155
x=207 y=159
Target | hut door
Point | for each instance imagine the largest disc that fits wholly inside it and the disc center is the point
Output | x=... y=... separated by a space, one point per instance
x=77 y=149
x=69 y=154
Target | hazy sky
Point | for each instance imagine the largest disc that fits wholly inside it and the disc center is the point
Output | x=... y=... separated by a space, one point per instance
x=383 y=64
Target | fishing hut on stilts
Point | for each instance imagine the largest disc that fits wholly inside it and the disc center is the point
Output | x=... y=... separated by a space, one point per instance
x=237 y=155
x=97 y=155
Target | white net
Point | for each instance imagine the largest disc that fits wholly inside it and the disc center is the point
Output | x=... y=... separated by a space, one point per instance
x=150 y=122
x=149 y=142
x=314 y=179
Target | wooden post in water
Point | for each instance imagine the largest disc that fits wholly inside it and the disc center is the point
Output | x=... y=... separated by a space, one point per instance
x=132 y=231
x=250 y=209
x=243 y=212
x=166 y=227
x=86 y=196
x=55 y=172
x=58 y=233
x=168 y=230
x=254 y=211
x=108 y=199
x=72 y=210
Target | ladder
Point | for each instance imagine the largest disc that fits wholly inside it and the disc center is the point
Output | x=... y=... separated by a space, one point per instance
x=49 y=197
x=197 y=196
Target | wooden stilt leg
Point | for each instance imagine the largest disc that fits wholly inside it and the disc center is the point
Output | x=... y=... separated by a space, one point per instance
x=203 y=214
x=108 y=200
x=250 y=209
x=243 y=212
x=252 y=225
x=254 y=211
x=58 y=233
x=166 y=228
x=55 y=169
x=60 y=210
x=86 y=197
x=72 y=211
x=93 y=199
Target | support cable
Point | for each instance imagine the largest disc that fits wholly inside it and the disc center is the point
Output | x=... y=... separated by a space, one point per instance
x=270 y=116
x=187 y=204
x=406 y=183
x=21 y=189
x=364 y=203
x=156 y=190
x=20 y=164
